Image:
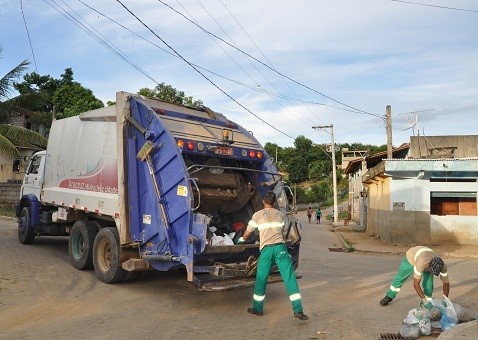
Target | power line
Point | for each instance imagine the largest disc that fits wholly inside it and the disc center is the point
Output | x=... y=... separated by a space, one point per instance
x=269 y=67
x=28 y=35
x=436 y=6
x=198 y=71
x=249 y=60
x=265 y=57
x=101 y=39
x=252 y=87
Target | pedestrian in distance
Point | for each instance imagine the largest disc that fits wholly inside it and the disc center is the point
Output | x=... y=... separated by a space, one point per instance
x=270 y=222
x=318 y=215
x=309 y=213
x=423 y=263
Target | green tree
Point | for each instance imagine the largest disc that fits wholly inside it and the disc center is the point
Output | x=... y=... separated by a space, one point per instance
x=12 y=137
x=72 y=99
x=64 y=96
x=320 y=169
x=170 y=94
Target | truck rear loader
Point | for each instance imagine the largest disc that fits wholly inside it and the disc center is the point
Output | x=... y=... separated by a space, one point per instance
x=146 y=184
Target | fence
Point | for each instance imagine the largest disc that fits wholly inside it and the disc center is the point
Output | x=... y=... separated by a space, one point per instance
x=10 y=192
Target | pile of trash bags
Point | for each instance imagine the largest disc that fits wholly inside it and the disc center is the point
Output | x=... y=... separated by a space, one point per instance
x=420 y=321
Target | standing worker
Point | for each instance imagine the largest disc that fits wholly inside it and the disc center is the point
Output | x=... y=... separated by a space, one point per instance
x=423 y=263
x=318 y=215
x=270 y=222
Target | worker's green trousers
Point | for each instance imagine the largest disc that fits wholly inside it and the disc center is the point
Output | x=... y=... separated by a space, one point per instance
x=279 y=255
x=404 y=272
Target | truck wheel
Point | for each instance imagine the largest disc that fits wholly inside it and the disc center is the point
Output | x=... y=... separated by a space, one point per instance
x=26 y=234
x=131 y=276
x=80 y=244
x=106 y=256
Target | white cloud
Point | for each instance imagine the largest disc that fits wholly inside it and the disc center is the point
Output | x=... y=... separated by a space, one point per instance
x=366 y=54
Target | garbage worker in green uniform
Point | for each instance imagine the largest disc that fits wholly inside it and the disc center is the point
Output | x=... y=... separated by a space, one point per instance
x=423 y=263
x=270 y=222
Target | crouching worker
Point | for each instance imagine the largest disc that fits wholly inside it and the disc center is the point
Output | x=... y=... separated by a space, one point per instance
x=270 y=222
x=423 y=263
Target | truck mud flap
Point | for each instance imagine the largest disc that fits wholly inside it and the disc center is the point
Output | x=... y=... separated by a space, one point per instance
x=211 y=283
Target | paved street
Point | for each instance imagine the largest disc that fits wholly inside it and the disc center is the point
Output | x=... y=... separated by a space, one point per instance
x=41 y=296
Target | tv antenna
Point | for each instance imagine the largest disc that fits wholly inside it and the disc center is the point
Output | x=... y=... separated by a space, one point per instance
x=414 y=122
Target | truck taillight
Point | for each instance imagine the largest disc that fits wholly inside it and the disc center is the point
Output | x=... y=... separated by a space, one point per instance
x=259 y=154
x=191 y=145
x=180 y=143
x=252 y=153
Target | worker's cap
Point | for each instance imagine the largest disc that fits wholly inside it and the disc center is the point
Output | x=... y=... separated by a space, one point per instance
x=436 y=265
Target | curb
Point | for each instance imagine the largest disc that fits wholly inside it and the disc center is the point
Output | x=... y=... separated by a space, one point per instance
x=345 y=246
x=8 y=218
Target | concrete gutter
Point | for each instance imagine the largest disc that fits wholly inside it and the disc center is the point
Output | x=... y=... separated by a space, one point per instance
x=467 y=330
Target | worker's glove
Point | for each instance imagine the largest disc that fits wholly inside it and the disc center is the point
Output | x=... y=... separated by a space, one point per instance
x=427 y=304
x=240 y=240
x=443 y=302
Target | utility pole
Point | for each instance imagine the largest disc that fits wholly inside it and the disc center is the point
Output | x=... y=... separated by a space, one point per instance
x=388 y=117
x=334 y=172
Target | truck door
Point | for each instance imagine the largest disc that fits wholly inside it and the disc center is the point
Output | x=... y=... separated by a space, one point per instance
x=33 y=180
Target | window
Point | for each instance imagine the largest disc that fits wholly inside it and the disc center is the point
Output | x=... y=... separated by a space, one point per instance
x=34 y=165
x=453 y=203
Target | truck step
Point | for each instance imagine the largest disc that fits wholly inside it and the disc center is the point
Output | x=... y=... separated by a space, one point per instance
x=210 y=283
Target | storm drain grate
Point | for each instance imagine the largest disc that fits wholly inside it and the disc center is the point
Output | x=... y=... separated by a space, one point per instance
x=389 y=336
x=336 y=250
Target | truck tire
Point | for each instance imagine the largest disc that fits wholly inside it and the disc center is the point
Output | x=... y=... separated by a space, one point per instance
x=80 y=244
x=26 y=233
x=106 y=256
x=131 y=276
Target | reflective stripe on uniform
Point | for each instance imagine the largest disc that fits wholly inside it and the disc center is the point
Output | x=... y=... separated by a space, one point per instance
x=393 y=289
x=294 y=297
x=416 y=271
x=259 y=298
x=252 y=224
x=270 y=225
x=419 y=251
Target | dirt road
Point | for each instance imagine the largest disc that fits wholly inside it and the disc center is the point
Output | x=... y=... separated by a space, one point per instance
x=43 y=296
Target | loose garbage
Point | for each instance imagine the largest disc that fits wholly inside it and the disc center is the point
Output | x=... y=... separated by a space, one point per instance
x=442 y=316
x=224 y=232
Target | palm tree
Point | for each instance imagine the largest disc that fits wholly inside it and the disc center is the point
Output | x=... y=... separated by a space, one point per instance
x=14 y=137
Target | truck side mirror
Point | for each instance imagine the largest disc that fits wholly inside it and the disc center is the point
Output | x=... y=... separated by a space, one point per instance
x=16 y=166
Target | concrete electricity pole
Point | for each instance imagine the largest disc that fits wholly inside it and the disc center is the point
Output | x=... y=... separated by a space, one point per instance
x=334 y=172
x=388 y=117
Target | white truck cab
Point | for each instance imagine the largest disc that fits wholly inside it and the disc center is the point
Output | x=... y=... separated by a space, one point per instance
x=34 y=177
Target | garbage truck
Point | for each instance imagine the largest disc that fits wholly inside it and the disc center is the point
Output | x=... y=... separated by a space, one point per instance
x=146 y=184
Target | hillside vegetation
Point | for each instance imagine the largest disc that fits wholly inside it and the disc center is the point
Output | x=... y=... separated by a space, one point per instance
x=309 y=167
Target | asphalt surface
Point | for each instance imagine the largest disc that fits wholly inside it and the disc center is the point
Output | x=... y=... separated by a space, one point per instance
x=41 y=296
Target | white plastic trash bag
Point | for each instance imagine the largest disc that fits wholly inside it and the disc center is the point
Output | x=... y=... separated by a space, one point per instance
x=410 y=331
x=221 y=240
x=423 y=316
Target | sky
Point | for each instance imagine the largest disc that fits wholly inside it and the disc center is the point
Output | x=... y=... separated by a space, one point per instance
x=278 y=68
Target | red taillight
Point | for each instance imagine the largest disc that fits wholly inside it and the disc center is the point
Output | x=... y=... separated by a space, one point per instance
x=180 y=143
x=252 y=153
x=191 y=145
x=259 y=154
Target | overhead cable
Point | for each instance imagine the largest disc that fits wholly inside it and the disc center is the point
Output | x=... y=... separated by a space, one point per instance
x=28 y=35
x=436 y=6
x=198 y=71
x=269 y=67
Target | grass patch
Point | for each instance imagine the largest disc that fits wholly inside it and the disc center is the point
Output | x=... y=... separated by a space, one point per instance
x=7 y=211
